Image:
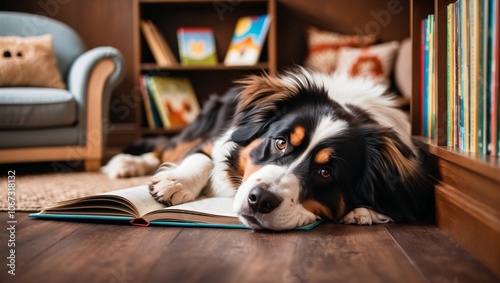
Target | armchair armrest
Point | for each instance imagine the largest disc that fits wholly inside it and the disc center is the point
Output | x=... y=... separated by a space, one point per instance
x=91 y=80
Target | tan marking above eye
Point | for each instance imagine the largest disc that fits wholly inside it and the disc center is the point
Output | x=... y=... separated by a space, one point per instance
x=297 y=136
x=323 y=156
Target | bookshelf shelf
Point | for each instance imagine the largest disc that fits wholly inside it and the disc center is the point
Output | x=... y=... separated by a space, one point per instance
x=147 y=67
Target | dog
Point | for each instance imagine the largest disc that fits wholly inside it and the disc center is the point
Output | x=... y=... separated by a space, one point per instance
x=294 y=148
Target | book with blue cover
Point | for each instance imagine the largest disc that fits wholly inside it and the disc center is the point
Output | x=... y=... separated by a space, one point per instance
x=197 y=46
x=137 y=206
x=249 y=36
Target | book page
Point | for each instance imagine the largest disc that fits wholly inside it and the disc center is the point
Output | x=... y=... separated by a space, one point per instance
x=215 y=206
x=140 y=197
x=205 y=208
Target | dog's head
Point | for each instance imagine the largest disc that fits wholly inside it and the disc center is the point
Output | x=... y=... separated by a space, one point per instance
x=305 y=152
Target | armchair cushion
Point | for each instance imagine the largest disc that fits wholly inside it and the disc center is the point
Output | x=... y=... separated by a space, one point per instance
x=29 y=61
x=25 y=108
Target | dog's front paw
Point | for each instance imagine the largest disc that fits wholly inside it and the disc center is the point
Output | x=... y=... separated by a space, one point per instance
x=171 y=191
x=169 y=187
x=365 y=216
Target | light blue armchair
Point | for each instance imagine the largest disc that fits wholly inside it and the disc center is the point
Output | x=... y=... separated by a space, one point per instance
x=44 y=124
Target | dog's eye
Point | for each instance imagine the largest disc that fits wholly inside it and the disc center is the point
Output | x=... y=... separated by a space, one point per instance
x=325 y=173
x=280 y=144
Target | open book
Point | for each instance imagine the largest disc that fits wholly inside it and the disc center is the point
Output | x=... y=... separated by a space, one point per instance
x=137 y=206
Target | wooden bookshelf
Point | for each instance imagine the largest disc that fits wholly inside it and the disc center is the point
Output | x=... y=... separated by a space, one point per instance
x=468 y=197
x=169 y=15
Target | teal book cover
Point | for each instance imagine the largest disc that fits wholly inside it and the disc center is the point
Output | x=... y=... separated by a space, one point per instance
x=197 y=46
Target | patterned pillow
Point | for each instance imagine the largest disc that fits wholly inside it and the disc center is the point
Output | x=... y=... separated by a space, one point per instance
x=29 y=61
x=375 y=62
x=325 y=45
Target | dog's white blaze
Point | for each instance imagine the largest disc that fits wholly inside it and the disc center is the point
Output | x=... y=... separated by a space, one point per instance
x=326 y=129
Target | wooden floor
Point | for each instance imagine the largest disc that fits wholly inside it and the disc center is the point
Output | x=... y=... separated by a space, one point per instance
x=56 y=251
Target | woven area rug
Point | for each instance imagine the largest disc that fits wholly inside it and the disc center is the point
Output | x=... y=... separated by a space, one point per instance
x=33 y=192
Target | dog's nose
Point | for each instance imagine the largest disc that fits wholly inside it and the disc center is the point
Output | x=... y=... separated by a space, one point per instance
x=262 y=201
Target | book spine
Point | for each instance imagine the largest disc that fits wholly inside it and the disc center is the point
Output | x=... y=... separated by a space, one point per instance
x=466 y=74
x=157 y=100
x=154 y=46
x=484 y=76
x=456 y=66
x=422 y=76
x=480 y=75
x=154 y=107
x=166 y=54
x=449 y=77
x=473 y=75
x=461 y=56
x=146 y=102
x=426 y=79
x=493 y=93
x=449 y=140
x=432 y=79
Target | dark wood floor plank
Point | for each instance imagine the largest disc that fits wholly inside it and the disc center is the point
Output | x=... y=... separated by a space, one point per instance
x=98 y=253
x=438 y=257
x=220 y=255
x=328 y=253
x=32 y=240
x=339 y=253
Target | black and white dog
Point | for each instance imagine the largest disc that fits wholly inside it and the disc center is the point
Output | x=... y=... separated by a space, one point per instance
x=292 y=149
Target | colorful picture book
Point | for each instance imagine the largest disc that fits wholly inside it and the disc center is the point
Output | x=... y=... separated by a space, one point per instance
x=137 y=206
x=157 y=44
x=248 y=39
x=171 y=103
x=196 y=46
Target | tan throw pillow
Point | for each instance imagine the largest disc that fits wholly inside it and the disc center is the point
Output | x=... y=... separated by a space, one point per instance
x=324 y=47
x=29 y=61
x=375 y=62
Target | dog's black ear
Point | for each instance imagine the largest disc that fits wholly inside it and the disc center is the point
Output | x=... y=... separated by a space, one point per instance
x=244 y=134
x=393 y=182
x=259 y=102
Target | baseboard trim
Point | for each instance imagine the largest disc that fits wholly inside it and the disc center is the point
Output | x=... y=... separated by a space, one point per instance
x=473 y=225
